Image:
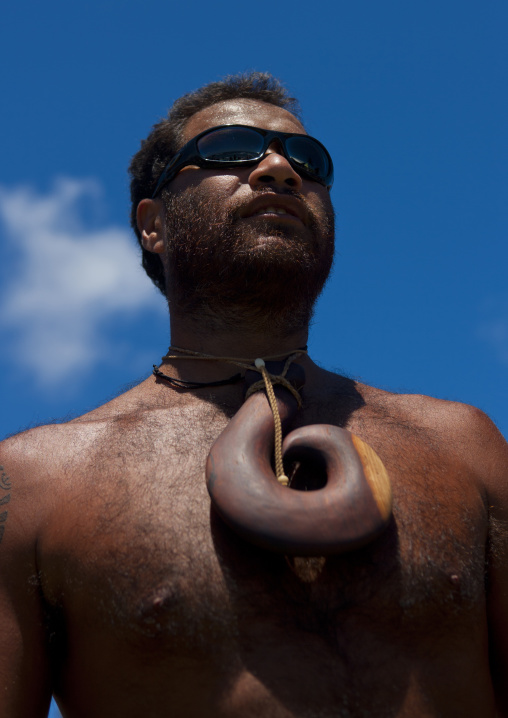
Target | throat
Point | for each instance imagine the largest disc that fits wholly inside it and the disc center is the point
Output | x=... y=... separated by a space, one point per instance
x=223 y=336
x=265 y=324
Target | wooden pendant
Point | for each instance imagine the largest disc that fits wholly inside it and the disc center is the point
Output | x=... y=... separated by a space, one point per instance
x=349 y=501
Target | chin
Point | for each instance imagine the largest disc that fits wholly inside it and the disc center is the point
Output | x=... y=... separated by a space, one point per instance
x=255 y=270
x=281 y=244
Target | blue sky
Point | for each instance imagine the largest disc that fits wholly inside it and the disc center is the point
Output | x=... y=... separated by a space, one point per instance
x=410 y=99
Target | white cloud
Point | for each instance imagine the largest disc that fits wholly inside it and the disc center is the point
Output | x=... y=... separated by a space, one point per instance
x=67 y=281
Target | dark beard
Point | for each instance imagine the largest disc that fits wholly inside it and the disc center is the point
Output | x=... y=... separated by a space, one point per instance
x=219 y=268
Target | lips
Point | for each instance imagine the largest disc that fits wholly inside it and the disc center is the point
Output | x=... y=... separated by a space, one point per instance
x=271 y=210
x=272 y=204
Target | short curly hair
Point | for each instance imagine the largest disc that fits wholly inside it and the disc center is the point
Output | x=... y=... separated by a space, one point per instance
x=165 y=140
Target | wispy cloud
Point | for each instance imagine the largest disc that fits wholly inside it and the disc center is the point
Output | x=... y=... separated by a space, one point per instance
x=67 y=280
x=493 y=327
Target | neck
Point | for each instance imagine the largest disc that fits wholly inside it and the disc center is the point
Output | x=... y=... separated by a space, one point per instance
x=190 y=333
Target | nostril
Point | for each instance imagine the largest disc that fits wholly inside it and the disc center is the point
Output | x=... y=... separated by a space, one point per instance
x=290 y=181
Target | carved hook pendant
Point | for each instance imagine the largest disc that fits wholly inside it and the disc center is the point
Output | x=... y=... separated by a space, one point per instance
x=350 y=510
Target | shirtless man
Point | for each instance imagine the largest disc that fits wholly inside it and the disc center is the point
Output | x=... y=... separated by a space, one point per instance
x=125 y=595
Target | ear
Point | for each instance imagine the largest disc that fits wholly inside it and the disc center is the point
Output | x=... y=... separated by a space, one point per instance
x=149 y=215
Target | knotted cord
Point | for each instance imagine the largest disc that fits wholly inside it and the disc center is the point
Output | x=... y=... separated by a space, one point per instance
x=267 y=382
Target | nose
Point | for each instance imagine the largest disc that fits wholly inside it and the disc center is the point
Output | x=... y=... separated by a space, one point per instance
x=275 y=169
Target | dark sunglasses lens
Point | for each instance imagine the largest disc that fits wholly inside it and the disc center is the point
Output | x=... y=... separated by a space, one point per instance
x=230 y=144
x=308 y=155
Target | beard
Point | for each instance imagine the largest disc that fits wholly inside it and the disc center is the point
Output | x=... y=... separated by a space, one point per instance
x=232 y=272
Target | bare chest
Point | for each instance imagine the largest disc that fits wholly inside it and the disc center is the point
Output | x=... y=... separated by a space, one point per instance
x=141 y=553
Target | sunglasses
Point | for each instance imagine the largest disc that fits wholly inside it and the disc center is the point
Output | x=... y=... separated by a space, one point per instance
x=242 y=145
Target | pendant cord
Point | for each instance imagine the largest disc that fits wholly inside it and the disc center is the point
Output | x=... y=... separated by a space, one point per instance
x=184 y=384
x=267 y=382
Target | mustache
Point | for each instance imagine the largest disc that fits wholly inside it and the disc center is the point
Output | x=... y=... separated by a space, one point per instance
x=285 y=192
x=194 y=209
x=233 y=214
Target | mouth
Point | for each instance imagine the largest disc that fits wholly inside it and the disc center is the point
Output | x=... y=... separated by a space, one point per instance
x=276 y=206
x=273 y=210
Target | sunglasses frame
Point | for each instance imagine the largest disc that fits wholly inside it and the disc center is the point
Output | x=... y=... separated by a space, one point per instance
x=189 y=155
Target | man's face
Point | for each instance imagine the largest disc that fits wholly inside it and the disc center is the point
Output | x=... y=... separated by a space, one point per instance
x=241 y=231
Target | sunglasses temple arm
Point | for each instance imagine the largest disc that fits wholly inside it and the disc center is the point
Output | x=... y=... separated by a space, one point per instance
x=166 y=176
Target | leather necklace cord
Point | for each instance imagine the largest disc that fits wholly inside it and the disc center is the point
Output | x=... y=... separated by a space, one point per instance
x=267 y=382
x=184 y=384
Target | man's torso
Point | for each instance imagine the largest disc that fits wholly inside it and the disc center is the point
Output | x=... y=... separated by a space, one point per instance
x=155 y=607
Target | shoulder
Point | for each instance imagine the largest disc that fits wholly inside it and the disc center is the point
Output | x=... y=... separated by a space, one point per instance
x=44 y=475
x=459 y=431
x=47 y=446
x=40 y=464
x=30 y=468
x=465 y=427
x=427 y=411
x=52 y=457
x=451 y=426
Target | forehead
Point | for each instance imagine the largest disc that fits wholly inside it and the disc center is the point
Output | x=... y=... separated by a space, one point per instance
x=242 y=112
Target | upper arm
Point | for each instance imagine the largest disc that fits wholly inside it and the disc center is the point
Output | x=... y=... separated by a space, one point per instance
x=488 y=451
x=25 y=688
x=479 y=448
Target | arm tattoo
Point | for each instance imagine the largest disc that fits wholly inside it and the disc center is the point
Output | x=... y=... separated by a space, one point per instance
x=5 y=485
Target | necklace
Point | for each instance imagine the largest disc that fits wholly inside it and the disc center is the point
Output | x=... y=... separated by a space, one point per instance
x=183 y=384
x=266 y=382
x=188 y=354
